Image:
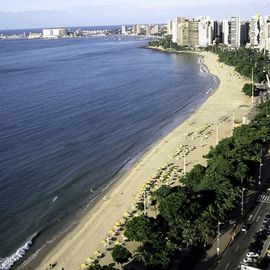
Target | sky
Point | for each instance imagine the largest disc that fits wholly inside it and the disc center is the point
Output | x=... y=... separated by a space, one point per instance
x=15 y=14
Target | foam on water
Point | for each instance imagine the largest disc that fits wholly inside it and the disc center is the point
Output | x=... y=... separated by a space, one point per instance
x=6 y=263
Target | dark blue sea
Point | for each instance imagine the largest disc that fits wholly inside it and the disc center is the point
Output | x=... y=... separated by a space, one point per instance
x=74 y=114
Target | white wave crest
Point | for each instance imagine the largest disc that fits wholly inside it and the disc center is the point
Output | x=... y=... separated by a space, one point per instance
x=6 y=263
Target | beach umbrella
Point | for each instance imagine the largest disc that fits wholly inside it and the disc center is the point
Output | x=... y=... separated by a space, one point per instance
x=102 y=241
x=111 y=231
x=90 y=260
x=126 y=214
x=97 y=252
x=122 y=221
x=84 y=265
x=117 y=243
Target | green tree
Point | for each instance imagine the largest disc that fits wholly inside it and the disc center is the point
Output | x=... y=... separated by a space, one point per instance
x=247 y=89
x=193 y=178
x=120 y=254
x=140 y=228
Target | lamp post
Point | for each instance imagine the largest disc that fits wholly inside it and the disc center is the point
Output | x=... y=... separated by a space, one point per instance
x=217 y=134
x=260 y=169
x=144 y=203
x=233 y=117
x=252 y=89
x=242 y=201
x=218 y=236
x=184 y=160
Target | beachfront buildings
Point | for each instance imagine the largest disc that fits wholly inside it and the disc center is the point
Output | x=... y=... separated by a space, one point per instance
x=225 y=32
x=185 y=32
x=136 y=30
x=259 y=32
x=244 y=39
x=234 y=32
x=169 y=27
x=54 y=33
x=124 y=30
x=203 y=31
x=152 y=30
x=266 y=42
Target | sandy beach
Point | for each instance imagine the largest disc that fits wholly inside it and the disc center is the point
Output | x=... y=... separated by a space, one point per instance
x=208 y=124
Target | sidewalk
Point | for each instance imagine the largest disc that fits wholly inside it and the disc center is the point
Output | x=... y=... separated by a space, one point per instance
x=211 y=258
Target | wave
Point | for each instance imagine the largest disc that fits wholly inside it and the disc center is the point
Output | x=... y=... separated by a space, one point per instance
x=7 y=262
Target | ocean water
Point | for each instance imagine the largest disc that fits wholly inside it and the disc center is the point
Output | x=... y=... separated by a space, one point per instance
x=74 y=113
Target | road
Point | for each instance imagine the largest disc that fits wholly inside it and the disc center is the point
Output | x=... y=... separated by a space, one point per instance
x=236 y=252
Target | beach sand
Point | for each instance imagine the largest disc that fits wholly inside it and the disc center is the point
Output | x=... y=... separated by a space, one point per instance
x=209 y=123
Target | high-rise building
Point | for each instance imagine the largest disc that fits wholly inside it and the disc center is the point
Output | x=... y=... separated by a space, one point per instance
x=266 y=34
x=152 y=30
x=225 y=32
x=54 y=33
x=124 y=30
x=217 y=30
x=256 y=30
x=244 y=33
x=234 y=32
x=206 y=31
x=177 y=28
x=170 y=27
x=136 y=30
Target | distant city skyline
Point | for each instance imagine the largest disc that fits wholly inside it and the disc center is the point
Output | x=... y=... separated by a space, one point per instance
x=16 y=14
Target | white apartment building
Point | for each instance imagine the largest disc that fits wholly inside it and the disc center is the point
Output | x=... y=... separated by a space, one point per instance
x=256 y=30
x=124 y=30
x=225 y=32
x=234 y=32
x=206 y=27
x=54 y=33
x=170 y=27
x=177 y=29
x=266 y=41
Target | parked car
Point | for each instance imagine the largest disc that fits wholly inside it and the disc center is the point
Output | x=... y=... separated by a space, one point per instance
x=252 y=255
x=248 y=260
x=245 y=227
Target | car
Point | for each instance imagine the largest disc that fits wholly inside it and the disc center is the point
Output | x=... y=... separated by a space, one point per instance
x=248 y=260
x=252 y=255
x=245 y=227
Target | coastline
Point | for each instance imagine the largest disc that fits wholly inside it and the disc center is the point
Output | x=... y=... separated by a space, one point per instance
x=72 y=249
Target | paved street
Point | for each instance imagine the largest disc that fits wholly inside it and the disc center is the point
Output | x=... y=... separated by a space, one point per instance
x=264 y=198
x=235 y=254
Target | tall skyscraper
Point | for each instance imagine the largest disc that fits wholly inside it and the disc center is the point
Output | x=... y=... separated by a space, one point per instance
x=136 y=29
x=225 y=32
x=206 y=31
x=124 y=30
x=177 y=28
x=265 y=45
x=234 y=32
x=170 y=27
x=244 y=33
x=256 y=31
x=193 y=32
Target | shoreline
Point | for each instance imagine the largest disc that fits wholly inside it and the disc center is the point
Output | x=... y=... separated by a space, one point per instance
x=83 y=238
